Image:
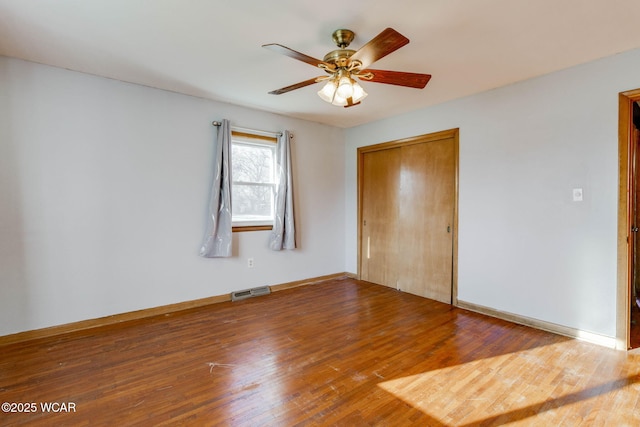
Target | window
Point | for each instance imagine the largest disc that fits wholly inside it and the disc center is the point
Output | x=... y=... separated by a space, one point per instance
x=253 y=170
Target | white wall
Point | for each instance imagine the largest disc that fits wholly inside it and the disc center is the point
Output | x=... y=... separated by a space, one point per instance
x=103 y=196
x=524 y=246
x=103 y=190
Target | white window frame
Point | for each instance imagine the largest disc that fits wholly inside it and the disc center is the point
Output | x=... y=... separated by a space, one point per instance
x=248 y=140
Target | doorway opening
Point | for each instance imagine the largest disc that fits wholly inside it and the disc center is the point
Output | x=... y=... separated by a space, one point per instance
x=628 y=298
x=634 y=331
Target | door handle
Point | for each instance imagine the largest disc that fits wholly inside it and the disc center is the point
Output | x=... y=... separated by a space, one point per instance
x=634 y=229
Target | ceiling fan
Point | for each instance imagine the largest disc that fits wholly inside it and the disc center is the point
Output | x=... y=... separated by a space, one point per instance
x=344 y=65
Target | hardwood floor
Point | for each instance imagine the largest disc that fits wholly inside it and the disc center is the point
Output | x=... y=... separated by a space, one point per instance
x=342 y=352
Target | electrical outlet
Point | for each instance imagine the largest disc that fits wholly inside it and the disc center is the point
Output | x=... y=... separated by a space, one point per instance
x=577 y=194
x=250 y=262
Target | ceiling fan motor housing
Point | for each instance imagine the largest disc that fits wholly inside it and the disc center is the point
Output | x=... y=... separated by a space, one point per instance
x=339 y=57
x=343 y=38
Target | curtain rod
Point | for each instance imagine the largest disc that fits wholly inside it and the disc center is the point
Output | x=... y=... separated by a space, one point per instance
x=254 y=131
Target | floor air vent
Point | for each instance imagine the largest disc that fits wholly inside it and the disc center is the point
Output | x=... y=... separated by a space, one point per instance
x=248 y=293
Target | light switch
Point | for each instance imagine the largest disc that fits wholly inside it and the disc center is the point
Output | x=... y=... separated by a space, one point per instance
x=577 y=194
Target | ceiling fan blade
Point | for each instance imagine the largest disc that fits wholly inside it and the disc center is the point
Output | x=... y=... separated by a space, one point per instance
x=294 y=86
x=398 y=78
x=380 y=46
x=278 y=48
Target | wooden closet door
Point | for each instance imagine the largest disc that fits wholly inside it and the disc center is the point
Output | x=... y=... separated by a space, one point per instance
x=380 y=220
x=427 y=208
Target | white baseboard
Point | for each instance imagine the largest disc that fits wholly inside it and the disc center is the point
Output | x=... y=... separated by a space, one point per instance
x=566 y=331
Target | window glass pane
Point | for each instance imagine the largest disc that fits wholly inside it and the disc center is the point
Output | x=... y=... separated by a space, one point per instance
x=252 y=163
x=252 y=202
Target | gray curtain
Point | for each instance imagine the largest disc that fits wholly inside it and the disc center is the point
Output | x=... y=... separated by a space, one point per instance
x=283 y=235
x=217 y=239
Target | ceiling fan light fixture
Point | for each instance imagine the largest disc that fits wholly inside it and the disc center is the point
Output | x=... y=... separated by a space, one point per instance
x=358 y=93
x=340 y=88
x=339 y=100
x=331 y=94
x=328 y=91
x=345 y=87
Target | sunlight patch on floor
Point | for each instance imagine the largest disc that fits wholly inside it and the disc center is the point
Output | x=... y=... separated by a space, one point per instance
x=543 y=383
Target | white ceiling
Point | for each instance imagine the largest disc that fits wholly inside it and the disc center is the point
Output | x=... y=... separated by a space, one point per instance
x=212 y=48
